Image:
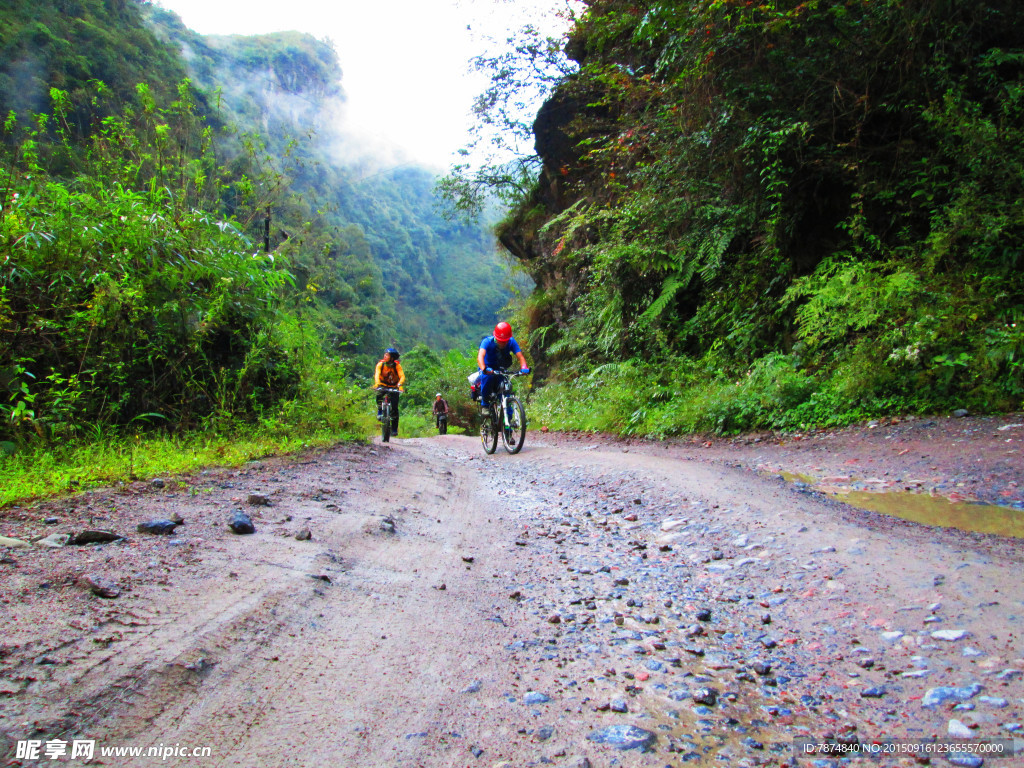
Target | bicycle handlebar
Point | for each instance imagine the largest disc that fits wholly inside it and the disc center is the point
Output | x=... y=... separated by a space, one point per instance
x=388 y=389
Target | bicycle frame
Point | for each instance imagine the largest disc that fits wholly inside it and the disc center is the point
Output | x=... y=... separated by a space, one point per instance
x=388 y=391
x=505 y=390
x=386 y=405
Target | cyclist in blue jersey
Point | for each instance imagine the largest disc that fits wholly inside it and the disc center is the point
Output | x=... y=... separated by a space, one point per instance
x=497 y=351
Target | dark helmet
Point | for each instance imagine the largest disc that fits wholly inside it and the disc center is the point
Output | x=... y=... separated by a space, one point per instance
x=502 y=332
x=393 y=352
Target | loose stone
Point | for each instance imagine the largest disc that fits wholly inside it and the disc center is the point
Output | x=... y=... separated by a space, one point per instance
x=241 y=523
x=54 y=540
x=624 y=737
x=935 y=697
x=157 y=527
x=708 y=696
x=100 y=586
x=959 y=730
x=964 y=760
x=994 y=702
x=950 y=635
x=94 y=537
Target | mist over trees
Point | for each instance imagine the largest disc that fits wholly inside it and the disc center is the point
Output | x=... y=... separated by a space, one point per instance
x=442 y=282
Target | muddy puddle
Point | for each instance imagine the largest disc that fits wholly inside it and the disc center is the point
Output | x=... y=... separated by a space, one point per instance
x=924 y=508
x=733 y=726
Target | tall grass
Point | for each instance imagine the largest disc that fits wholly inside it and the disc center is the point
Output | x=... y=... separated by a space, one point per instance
x=684 y=397
x=45 y=471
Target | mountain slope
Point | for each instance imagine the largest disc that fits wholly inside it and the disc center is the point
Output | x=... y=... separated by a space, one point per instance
x=443 y=282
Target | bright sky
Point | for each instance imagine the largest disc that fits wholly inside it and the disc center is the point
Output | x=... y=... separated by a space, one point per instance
x=404 y=62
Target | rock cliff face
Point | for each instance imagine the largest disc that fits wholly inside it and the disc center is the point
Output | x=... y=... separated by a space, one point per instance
x=562 y=183
x=292 y=81
x=554 y=193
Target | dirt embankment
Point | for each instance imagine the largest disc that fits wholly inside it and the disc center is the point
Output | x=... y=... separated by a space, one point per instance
x=588 y=601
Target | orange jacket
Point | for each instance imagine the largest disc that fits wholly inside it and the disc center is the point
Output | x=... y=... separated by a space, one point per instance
x=388 y=375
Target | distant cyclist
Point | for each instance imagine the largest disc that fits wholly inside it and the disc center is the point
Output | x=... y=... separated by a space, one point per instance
x=440 y=407
x=497 y=351
x=389 y=373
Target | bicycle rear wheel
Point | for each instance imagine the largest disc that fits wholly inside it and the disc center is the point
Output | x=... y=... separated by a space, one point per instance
x=513 y=432
x=385 y=421
x=489 y=431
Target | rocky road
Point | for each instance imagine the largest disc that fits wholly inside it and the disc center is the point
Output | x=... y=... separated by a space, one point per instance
x=582 y=603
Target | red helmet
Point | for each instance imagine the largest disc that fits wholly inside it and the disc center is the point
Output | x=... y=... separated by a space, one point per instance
x=502 y=332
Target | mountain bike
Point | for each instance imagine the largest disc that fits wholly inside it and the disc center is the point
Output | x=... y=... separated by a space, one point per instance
x=505 y=416
x=442 y=423
x=388 y=422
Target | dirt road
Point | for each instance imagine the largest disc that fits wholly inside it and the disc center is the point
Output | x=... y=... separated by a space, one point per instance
x=580 y=603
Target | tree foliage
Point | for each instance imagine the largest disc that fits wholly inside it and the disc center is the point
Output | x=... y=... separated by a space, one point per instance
x=382 y=263
x=837 y=183
x=498 y=161
x=74 y=44
x=121 y=297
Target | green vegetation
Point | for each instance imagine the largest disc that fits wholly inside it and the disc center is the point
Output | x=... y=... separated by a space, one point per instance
x=118 y=300
x=779 y=215
x=73 y=44
x=383 y=263
x=122 y=303
x=189 y=272
x=48 y=470
x=445 y=373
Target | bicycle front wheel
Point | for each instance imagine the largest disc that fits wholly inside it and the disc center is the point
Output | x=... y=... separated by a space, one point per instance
x=489 y=431
x=513 y=432
x=385 y=422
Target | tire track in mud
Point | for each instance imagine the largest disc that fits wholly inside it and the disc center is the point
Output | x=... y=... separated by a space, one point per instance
x=369 y=647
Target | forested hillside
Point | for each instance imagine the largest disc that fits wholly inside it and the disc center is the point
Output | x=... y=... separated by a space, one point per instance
x=442 y=282
x=779 y=214
x=142 y=167
x=68 y=45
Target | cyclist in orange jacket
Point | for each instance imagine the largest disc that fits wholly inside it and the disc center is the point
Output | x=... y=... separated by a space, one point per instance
x=389 y=373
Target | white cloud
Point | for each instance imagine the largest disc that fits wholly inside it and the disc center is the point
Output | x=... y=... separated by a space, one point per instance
x=405 y=62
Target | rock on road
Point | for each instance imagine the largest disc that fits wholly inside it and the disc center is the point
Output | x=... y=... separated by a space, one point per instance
x=573 y=605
